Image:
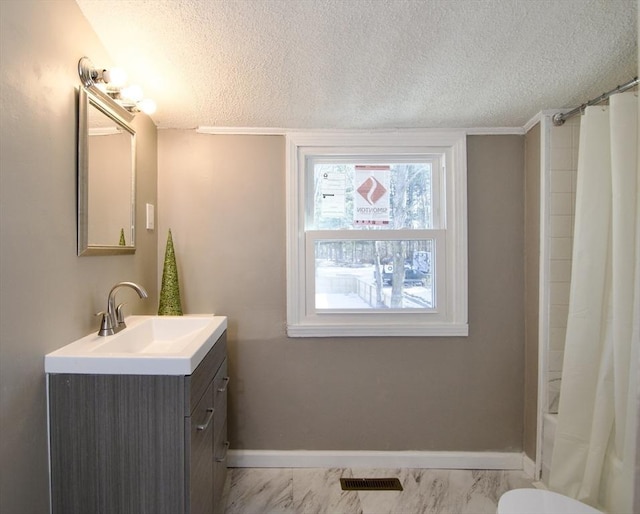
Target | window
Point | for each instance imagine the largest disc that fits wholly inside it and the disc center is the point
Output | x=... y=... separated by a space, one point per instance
x=376 y=234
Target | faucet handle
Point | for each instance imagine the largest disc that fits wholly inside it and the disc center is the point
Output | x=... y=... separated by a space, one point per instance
x=120 y=315
x=106 y=327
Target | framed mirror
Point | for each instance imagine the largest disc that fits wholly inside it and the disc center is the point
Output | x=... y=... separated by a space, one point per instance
x=106 y=175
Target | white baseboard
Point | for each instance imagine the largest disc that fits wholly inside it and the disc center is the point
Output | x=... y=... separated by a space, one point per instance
x=373 y=459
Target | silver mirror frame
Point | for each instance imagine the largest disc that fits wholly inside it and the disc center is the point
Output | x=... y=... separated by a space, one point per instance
x=91 y=96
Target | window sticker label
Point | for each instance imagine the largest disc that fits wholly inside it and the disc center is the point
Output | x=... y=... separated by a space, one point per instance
x=333 y=187
x=371 y=205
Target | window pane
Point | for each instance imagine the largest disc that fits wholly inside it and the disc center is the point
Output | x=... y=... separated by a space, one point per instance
x=379 y=196
x=372 y=275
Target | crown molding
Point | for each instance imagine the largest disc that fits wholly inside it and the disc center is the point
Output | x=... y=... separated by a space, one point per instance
x=494 y=131
x=238 y=131
x=280 y=131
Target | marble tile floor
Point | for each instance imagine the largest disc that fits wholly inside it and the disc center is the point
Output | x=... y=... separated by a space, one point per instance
x=318 y=491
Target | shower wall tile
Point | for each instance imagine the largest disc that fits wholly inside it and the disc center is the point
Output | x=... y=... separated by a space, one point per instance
x=563 y=161
x=574 y=123
x=574 y=155
x=555 y=360
x=561 y=181
x=553 y=398
x=560 y=204
x=558 y=316
x=556 y=338
x=561 y=158
x=561 y=137
x=562 y=226
x=560 y=293
x=560 y=270
x=561 y=248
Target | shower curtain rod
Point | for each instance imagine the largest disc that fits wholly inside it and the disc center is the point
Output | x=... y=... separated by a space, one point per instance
x=559 y=118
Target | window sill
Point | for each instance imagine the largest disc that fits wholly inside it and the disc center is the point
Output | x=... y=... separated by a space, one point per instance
x=375 y=330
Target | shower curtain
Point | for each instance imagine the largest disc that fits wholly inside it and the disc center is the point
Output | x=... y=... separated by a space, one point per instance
x=594 y=451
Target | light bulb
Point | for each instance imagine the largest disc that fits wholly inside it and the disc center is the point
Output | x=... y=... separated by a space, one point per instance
x=115 y=77
x=147 y=106
x=132 y=93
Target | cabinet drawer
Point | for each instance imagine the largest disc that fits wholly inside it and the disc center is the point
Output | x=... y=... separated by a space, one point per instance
x=197 y=383
x=199 y=431
x=220 y=387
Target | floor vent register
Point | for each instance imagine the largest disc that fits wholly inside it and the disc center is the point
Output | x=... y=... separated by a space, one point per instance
x=370 y=484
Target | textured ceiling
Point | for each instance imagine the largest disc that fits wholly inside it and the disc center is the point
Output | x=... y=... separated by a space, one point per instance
x=367 y=63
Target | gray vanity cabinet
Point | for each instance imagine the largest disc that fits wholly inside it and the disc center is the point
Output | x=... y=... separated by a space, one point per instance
x=206 y=432
x=140 y=444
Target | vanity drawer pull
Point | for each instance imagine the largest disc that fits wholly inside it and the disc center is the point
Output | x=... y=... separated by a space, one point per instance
x=224 y=457
x=207 y=421
x=223 y=389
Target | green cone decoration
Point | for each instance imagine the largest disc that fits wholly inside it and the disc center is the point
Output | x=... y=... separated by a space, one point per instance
x=170 y=288
x=123 y=242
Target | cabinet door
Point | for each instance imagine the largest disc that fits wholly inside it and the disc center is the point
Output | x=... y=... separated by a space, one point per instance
x=199 y=427
x=117 y=444
x=220 y=444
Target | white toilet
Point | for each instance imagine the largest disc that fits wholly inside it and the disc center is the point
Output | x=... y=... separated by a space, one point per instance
x=538 y=501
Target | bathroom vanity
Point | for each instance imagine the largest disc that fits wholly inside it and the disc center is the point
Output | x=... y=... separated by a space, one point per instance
x=140 y=443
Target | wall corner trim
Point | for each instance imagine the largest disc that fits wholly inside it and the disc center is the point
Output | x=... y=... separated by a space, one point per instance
x=538 y=117
x=374 y=459
x=533 y=122
x=529 y=466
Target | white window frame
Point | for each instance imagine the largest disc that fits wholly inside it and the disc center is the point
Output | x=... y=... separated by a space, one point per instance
x=450 y=318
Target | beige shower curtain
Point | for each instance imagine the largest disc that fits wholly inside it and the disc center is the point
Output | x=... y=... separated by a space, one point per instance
x=594 y=451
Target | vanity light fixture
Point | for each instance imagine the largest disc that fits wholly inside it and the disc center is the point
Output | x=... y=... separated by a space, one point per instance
x=113 y=83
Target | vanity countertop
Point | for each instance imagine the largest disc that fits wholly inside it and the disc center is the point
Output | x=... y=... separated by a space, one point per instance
x=149 y=345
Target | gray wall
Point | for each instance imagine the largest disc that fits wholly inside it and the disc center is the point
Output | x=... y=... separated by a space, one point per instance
x=224 y=199
x=532 y=276
x=48 y=295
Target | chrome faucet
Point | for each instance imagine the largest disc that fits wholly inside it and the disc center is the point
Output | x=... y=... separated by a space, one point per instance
x=113 y=319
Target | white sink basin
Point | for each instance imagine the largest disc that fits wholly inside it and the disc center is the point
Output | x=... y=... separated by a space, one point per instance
x=150 y=345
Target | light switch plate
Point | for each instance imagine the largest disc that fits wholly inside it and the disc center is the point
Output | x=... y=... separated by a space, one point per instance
x=150 y=216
